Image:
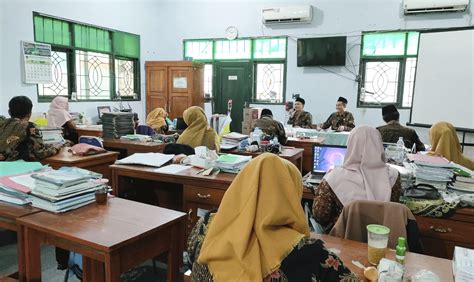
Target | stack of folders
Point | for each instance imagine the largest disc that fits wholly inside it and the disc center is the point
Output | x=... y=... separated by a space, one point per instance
x=233 y=140
x=59 y=191
x=52 y=135
x=232 y=163
x=463 y=184
x=432 y=170
x=117 y=124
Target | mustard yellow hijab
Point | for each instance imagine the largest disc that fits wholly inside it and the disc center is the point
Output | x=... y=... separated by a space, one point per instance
x=259 y=222
x=445 y=142
x=198 y=132
x=156 y=118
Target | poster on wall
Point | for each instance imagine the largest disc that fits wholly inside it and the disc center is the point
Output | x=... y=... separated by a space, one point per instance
x=36 y=62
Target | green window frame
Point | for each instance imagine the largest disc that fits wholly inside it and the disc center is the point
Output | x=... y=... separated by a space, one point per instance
x=118 y=51
x=387 y=67
x=257 y=51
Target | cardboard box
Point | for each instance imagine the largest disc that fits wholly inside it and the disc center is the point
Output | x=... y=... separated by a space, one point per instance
x=251 y=114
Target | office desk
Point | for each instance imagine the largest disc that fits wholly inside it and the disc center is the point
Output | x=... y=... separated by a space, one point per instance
x=132 y=147
x=307 y=146
x=98 y=163
x=112 y=238
x=89 y=130
x=9 y=214
x=294 y=155
x=352 y=250
x=184 y=191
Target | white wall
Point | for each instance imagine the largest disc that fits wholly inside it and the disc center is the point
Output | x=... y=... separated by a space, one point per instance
x=17 y=24
x=209 y=19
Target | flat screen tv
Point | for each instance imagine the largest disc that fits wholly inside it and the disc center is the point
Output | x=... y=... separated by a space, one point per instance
x=322 y=51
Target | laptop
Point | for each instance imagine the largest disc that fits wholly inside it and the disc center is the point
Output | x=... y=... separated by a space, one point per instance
x=325 y=158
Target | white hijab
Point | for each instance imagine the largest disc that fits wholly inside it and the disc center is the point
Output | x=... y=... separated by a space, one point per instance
x=364 y=174
x=58 y=113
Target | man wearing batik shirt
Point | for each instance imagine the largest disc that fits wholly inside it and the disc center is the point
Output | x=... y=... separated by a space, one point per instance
x=341 y=120
x=298 y=117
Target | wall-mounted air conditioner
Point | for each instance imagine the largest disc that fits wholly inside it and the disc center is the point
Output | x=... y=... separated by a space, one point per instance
x=285 y=15
x=429 y=6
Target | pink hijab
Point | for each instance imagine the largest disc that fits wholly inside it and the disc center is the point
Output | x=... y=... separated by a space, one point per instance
x=364 y=174
x=58 y=113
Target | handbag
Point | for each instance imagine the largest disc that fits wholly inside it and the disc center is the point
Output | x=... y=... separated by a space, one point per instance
x=422 y=191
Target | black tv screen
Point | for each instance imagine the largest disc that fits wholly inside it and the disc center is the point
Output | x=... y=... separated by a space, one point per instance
x=323 y=51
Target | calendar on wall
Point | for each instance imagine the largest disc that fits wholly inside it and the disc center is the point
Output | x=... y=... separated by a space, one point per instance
x=36 y=62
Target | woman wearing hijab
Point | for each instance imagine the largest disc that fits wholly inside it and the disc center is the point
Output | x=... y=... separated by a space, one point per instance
x=251 y=238
x=198 y=132
x=156 y=119
x=364 y=175
x=58 y=116
x=445 y=142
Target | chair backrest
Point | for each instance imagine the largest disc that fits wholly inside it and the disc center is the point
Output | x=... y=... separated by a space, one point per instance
x=145 y=130
x=91 y=140
x=352 y=222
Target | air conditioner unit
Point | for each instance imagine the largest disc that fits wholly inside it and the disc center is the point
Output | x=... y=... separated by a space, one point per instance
x=285 y=15
x=429 y=6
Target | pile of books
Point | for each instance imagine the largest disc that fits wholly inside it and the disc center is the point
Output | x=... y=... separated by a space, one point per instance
x=433 y=170
x=62 y=190
x=234 y=140
x=463 y=184
x=117 y=124
x=52 y=135
x=11 y=191
x=232 y=163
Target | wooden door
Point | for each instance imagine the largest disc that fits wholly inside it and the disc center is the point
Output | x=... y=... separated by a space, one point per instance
x=157 y=88
x=180 y=94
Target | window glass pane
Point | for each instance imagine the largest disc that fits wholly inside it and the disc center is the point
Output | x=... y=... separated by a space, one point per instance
x=409 y=83
x=412 y=44
x=59 y=86
x=125 y=78
x=384 y=44
x=208 y=73
x=270 y=82
x=92 y=76
x=380 y=82
x=269 y=48
x=91 y=38
x=127 y=44
x=235 y=49
x=198 y=50
x=52 y=31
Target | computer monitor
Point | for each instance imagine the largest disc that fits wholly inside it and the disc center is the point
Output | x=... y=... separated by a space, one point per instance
x=327 y=157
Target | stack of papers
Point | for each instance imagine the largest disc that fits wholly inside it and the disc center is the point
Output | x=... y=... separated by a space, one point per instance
x=232 y=163
x=438 y=177
x=115 y=125
x=463 y=184
x=233 y=140
x=149 y=159
x=52 y=135
x=136 y=137
x=13 y=196
x=59 y=191
x=463 y=264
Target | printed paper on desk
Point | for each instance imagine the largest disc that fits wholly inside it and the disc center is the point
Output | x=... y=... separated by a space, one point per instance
x=172 y=168
x=149 y=159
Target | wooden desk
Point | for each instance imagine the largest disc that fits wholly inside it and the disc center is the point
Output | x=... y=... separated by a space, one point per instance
x=119 y=235
x=183 y=191
x=89 y=130
x=307 y=146
x=440 y=235
x=98 y=163
x=132 y=147
x=352 y=250
x=9 y=214
x=294 y=155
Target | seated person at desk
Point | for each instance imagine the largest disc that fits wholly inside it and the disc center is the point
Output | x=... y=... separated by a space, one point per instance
x=198 y=132
x=58 y=116
x=445 y=142
x=393 y=129
x=341 y=120
x=156 y=119
x=364 y=175
x=298 y=117
x=251 y=238
x=19 y=138
x=270 y=126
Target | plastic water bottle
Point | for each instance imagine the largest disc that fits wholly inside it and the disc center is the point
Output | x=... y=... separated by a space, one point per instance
x=256 y=135
x=401 y=149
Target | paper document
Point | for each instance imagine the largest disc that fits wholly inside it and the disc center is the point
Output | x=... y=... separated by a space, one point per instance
x=172 y=168
x=149 y=159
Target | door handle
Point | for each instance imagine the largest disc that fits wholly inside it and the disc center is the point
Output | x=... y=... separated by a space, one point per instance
x=190 y=212
x=440 y=229
x=201 y=196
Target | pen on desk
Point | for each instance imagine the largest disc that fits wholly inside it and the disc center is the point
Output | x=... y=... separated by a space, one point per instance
x=413 y=148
